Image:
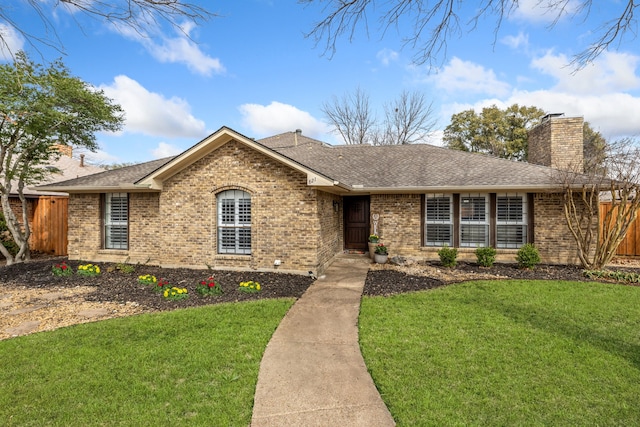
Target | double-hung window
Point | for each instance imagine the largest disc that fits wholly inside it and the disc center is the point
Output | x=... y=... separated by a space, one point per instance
x=234 y=222
x=474 y=220
x=116 y=221
x=511 y=220
x=438 y=220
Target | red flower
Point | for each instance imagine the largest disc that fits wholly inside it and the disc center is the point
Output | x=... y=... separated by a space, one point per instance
x=64 y=267
x=211 y=285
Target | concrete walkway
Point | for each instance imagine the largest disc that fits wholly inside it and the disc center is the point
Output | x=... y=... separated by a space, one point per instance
x=312 y=373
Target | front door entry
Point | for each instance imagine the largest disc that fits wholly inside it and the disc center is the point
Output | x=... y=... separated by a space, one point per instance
x=356 y=222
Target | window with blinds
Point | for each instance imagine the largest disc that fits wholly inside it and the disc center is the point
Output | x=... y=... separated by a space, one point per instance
x=116 y=221
x=438 y=220
x=474 y=220
x=511 y=220
x=234 y=222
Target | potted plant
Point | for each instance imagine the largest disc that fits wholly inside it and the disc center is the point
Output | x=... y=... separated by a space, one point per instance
x=373 y=242
x=381 y=254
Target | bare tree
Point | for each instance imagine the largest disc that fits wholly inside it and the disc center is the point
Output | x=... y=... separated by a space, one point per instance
x=135 y=14
x=430 y=24
x=407 y=120
x=351 y=117
x=599 y=234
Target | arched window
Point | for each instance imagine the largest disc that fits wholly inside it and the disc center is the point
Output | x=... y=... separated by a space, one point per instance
x=234 y=222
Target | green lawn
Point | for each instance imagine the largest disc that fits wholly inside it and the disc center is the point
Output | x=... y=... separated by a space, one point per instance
x=196 y=366
x=507 y=353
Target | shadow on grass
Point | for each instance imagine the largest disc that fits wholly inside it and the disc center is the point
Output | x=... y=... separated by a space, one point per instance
x=551 y=320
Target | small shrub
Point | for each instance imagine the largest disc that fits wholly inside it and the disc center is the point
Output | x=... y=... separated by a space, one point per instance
x=147 y=279
x=209 y=287
x=125 y=268
x=448 y=256
x=528 y=256
x=161 y=285
x=61 y=269
x=486 y=256
x=88 y=270
x=176 y=294
x=619 y=276
x=249 y=287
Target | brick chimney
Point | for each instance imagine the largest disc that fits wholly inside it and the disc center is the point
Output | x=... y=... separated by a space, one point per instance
x=558 y=142
x=65 y=150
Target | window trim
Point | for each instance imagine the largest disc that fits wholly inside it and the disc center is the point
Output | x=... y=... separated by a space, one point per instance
x=239 y=225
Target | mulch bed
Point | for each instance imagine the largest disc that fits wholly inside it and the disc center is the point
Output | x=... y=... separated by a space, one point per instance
x=114 y=285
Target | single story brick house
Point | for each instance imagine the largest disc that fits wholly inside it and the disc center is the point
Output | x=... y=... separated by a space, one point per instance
x=292 y=203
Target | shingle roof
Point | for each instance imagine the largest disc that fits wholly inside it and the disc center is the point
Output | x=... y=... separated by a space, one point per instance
x=364 y=167
x=66 y=168
x=406 y=166
x=122 y=177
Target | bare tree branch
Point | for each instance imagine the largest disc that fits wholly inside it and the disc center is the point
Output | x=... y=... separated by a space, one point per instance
x=598 y=231
x=138 y=15
x=351 y=117
x=408 y=119
x=432 y=23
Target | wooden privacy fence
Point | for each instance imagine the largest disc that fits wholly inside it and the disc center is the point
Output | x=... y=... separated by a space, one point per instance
x=49 y=227
x=630 y=245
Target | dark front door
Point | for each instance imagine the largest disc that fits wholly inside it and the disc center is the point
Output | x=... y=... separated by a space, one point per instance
x=356 y=222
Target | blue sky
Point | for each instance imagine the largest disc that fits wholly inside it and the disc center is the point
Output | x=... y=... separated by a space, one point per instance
x=252 y=69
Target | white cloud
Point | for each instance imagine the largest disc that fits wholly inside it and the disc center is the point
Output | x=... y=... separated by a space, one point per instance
x=184 y=50
x=165 y=150
x=180 y=49
x=278 y=118
x=11 y=42
x=605 y=93
x=610 y=72
x=465 y=76
x=545 y=11
x=100 y=157
x=386 y=56
x=518 y=41
x=614 y=115
x=151 y=113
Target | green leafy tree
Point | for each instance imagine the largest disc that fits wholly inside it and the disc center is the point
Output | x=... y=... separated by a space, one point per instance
x=39 y=108
x=504 y=133
x=501 y=133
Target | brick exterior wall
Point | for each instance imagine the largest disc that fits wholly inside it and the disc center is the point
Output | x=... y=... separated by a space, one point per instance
x=16 y=207
x=558 y=142
x=552 y=235
x=400 y=226
x=177 y=227
x=331 y=240
x=85 y=232
x=400 y=222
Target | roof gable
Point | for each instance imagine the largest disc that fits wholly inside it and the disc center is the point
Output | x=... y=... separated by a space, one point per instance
x=155 y=179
